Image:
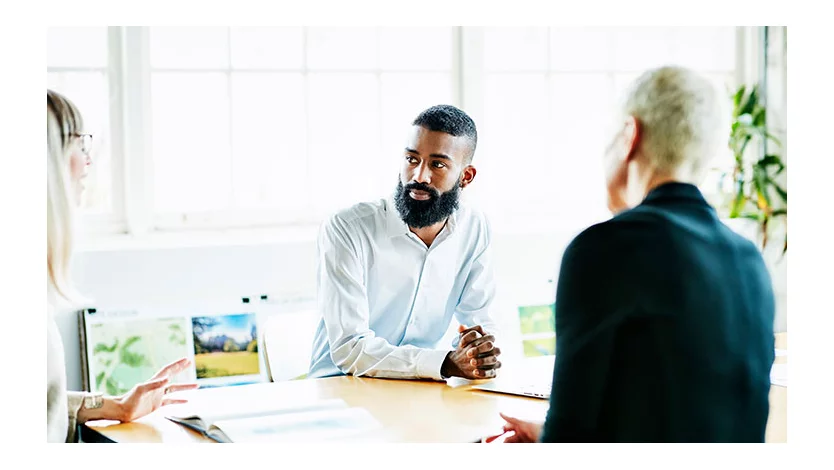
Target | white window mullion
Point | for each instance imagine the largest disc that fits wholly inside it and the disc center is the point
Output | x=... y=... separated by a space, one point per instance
x=470 y=71
x=457 y=66
x=748 y=57
x=138 y=161
x=116 y=79
x=305 y=74
x=232 y=195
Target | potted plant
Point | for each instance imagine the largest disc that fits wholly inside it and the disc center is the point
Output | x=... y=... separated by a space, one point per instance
x=755 y=193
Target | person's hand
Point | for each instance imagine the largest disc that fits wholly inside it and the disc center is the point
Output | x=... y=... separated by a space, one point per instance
x=517 y=431
x=147 y=397
x=467 y=335
x=476 y=356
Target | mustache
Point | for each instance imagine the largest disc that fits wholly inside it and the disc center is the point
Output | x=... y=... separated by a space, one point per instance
x=422 y=187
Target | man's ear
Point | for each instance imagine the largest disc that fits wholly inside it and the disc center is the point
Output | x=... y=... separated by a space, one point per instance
x=632 y=132
x=467 y=175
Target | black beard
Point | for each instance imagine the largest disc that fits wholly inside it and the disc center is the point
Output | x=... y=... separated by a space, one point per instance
x=419 y=214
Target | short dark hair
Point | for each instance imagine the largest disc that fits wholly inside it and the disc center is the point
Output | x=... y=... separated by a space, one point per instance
x=451 y=120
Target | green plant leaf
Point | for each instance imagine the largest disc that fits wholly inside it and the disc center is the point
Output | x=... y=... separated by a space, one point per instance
x=738 y=202
x=752 y=99
x=781 y=192
x=770 y=160
x=759 y=117
x=745 y=140
x=752 y=216
x=778 y=212
x=772 y=137
x=760 y=179
x=738 y=96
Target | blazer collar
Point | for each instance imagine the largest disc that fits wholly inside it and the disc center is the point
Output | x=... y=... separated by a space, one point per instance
x=675 y=190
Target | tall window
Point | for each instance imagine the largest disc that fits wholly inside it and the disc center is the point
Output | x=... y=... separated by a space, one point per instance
x=77 y=67
x=218 y=127
x=548 y=99
x=283 y=125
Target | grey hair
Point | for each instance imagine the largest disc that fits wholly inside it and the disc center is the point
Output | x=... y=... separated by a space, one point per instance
x=682 y=119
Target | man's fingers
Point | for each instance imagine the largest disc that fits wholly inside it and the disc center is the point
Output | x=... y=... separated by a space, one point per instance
x=477 y=328
x=484 y=361
x=467 y=339
x=484 y=374
x=482 y=340
x=493 y=352
x=484 y=348
x=496 y=365
x=481 y=345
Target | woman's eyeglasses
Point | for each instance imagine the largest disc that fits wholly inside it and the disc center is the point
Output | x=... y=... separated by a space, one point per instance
x=86 y=142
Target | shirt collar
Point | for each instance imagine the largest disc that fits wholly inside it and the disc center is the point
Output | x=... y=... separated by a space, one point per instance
x=394 y=223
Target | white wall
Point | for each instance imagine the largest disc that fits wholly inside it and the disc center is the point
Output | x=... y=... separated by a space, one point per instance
x=198 y=276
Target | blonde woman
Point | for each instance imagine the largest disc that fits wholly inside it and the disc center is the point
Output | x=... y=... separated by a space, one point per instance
x=67 y=155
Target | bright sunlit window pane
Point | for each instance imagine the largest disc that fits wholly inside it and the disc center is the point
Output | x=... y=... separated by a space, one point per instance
x=409 y=48
x=582 y=114
x=81 y=47
x=710 y=49
x=342 y=48
x=189 y=47
x=344 y=139
x=267 y=48
x=587 y=72
x=515 y=49
x=269 y=140
x=640 y=48
x=581 y=49
x=192 y=164
x=512 y=145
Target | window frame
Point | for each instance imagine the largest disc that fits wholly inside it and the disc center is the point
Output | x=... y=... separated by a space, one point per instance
x=129 y=77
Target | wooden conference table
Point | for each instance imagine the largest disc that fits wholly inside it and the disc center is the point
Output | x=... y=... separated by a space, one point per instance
x=409 y=411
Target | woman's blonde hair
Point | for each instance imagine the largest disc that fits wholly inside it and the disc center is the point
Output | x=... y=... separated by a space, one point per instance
x=63 y=125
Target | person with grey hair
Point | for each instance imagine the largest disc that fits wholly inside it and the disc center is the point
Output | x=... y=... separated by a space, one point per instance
x=664 y=316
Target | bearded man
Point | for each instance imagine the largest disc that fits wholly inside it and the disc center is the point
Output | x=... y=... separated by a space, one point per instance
x=392 y=273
